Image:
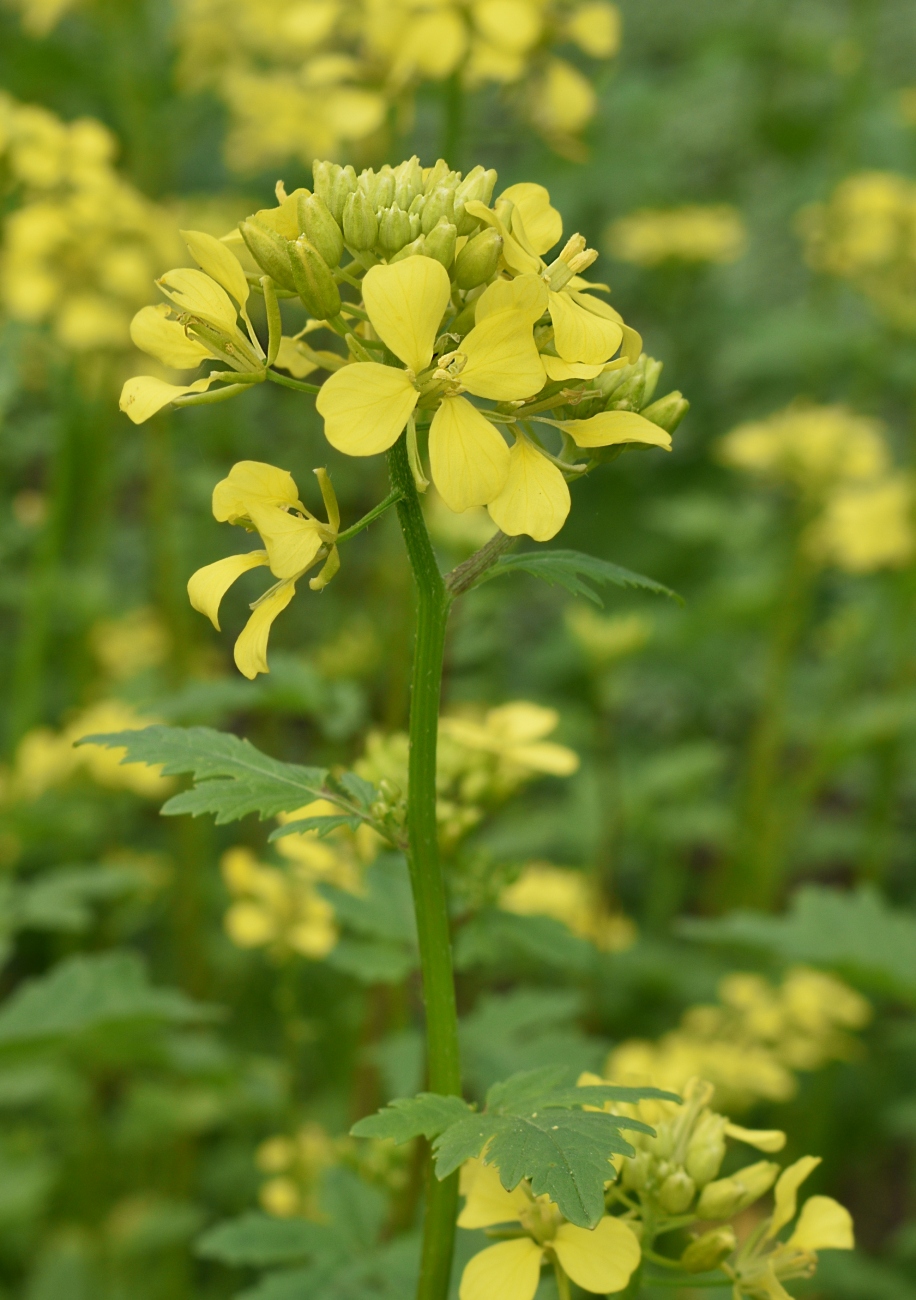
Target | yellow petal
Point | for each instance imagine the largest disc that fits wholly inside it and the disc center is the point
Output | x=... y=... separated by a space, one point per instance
x=823 y=1224
x=251 y=647
x=195 y=292
x=468 y=458
x=284 y=218
x=253 y=482
x=488 y=1202
x=291 y=541
x=290 y=358
x=542 y=223
x=595 y=28
x=406 y=303
x=143 y=396
x=600 y=1260
x=514 y=256
x=580 y=334
x=769 y=1140
x=786 y=1191
x=208 y=586
x=365 y=406
x=214 y=258
x=510 y=1270
x=521 y=722
x=502 y=361
x=554 y=760
x=608 y=428
x=164 y=339
x=558 y=369
x=526 y=294
x=513 y=25
x=632 y=344
x=535 y=499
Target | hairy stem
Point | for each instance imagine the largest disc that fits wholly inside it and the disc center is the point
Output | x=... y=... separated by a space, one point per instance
x=464 y=575
x=443 y=1068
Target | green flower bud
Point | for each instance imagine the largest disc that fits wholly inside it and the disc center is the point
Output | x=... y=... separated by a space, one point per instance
x=707 y=1252
x=269 y=251
x=439 y=175
x=440 y=203
x=478 y=184
x=676 y=1192
x=360 y=225
x=408 y=182
x=668 y=411
x=653 y=374
x=726 y=1196
x=314 y=283
x=378 y=187
x=393 y=229
x=478 y=260
x=706 y=1148
x=636 y=1170
x=414 y=249
x=441 y=240
x=334 y=183
x=319 y=226
x=414 y=219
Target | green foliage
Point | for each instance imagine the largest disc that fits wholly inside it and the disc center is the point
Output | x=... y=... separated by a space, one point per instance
x=569 y=569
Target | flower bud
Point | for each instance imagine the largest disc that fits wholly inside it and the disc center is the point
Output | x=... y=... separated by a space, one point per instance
x=726 y=1196
x=269 y=251
x=636 y=1169
x=704 y=1159
x=360 y=225
x=322 y=230
x=707 y=1252
x=478 y=260
x=441 y=240
x=414 y=219
x=414 y=249
x=477 y=185
x=440 y=203
x=676 y=1192
x=393 y=229
x=668 y=411
x=408 y=182
x=334 y=183
x=314 y=283
x=439 y=175
x=378 y=187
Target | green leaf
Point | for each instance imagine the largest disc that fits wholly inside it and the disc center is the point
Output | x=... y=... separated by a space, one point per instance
x=494 y=937
x=856 y=933
x=568 y=569
x=91 y=990
x=260 y=1239
x=384 y=910
x=371 y=961
x=63 y=899
x=232 y=778
x=426 y=1115
x=323 y=825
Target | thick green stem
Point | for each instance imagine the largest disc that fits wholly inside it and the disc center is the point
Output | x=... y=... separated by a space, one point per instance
x=443 y=1069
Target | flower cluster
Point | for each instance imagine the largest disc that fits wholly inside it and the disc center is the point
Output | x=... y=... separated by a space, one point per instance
x=860 y=507
x=307 y=80
x=294 y=1167
x=672 y=1183
x=80 y=245
x=866 y=234
x=572 y=898
x=751 y=1044
x=694 y=233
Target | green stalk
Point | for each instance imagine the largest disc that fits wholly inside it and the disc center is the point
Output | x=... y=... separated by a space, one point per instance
x=430 y=903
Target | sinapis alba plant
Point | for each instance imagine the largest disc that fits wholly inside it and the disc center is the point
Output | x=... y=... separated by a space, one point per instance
x=456 y=344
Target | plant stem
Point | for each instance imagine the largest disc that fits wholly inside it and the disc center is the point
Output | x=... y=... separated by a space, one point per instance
x=562 y=1281
x=391 y=499
x=430 y=903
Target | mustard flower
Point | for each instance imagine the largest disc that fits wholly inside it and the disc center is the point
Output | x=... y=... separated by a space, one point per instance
x=600 y=1260
x=265 y=499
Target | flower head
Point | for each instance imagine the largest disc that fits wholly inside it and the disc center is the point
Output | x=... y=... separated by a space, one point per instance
x=265 y=500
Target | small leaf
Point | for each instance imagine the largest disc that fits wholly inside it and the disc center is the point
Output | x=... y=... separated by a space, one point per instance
x=568 y=568
x=232 y=778
x=426 y=1115
x=323 y=825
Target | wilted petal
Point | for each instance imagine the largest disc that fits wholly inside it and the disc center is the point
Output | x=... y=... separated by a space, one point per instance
x=488 y=1202
x=542 y=223
x=601 y=1260
x=510 y=1270
x=608 y=428
x=406 y=303
x=468 y=458
x=502 y=361
x=786 y=1192
x=143 y=396
x=153 y=332
x=253 y=482
x=208 y=586
x=251 y=648
x=535 y=499
x=580 y=334
x=195 y=292
x=365 y=406
x=526 y=294
x=823 y=1224
x=215 y=259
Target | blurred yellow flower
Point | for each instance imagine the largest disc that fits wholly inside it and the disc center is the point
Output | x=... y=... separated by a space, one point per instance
x=866 y=527
x=130 y=644
x=812 y=447
x=568 y=896
x=275 y=909
x=693 y=233
x=603 y=638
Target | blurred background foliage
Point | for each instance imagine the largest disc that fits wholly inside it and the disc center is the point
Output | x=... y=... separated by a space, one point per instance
x=722 y=884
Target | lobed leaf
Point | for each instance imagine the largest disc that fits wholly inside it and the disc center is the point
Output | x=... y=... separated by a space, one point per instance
x=426 y=1115
x=567 y=569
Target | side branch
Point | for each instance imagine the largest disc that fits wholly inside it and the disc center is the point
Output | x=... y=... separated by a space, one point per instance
x=466 y=574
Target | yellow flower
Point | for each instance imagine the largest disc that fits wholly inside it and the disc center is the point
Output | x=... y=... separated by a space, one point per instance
x=813 y=447
x=568 y=896
x=275 y=909
x=266 y=499
x=515 y=733
x=867 y=527
x=694 y=233
x=600 y=1260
